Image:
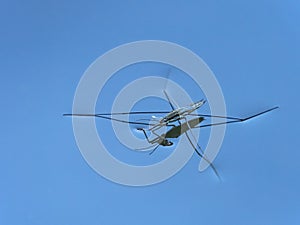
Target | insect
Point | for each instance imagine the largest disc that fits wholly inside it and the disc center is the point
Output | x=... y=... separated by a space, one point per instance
x=176 y=115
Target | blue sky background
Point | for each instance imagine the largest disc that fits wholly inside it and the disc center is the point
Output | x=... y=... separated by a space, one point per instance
x=253 y=49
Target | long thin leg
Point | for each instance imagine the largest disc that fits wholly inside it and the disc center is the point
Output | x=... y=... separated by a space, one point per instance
x=151 y=142
x=109 y=118
x=153 y=150
x=237 y=120
x=234 y=118
x=169 y=100
x=133 y=112
x=258 y=114
x=147 y=148
x=144 y=148
x=210 y=163
x=155 y=119
x=202 y=156
x=167 y=77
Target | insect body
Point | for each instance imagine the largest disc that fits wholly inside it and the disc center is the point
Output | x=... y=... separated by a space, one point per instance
x=176 y=115
x=180 y=113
